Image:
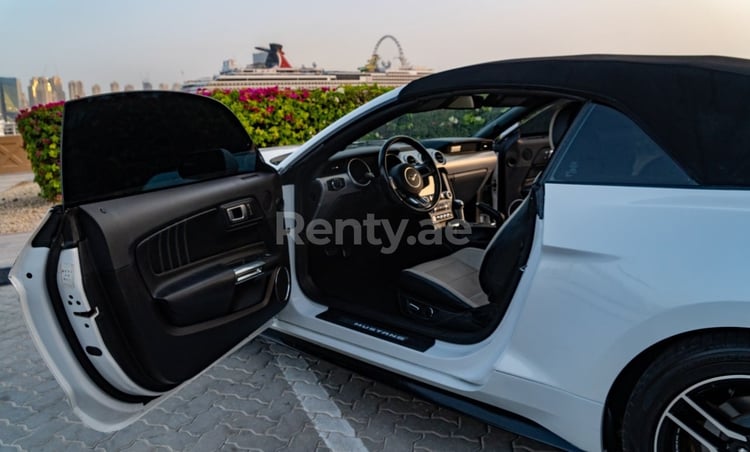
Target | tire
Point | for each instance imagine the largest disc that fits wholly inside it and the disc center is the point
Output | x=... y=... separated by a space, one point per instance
x=691 y=397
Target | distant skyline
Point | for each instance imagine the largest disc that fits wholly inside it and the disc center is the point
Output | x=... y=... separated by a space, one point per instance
x=170 y=41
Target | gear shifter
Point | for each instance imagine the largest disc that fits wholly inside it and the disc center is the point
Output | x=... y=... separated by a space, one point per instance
x=458 y=210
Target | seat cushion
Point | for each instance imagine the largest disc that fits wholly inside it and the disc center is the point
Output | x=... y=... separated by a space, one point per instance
x=450 y=282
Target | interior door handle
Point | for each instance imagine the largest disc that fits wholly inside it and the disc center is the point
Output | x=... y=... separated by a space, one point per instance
x=237 y=213
x=247 y=272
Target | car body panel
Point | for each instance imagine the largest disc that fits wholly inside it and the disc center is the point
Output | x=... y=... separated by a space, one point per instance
x=615 y=263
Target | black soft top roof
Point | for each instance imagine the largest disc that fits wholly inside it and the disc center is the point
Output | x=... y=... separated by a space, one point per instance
x=696 y=107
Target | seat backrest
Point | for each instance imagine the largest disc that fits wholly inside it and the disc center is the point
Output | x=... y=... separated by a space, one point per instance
x=561 y=122
x=507 y=253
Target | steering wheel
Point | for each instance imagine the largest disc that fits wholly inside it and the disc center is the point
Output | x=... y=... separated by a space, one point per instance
x=405 y=181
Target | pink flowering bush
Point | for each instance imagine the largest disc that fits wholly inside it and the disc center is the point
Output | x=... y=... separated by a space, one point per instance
x=276 y=117
x=40 y=127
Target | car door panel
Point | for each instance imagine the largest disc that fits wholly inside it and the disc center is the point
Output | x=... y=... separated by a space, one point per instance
x=167 y=292
x=163 y=256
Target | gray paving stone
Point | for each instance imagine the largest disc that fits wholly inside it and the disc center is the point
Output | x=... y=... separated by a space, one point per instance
x=243 y=423
x=404 y=440
x=161 y=417
x=248 y=441
x=10 y=433
x=213 y=439
x=76 y=433
x=307 y=439
x=162 y=437
x=411 y=407
x=290 y=425
x=144 y=446
x=8 y=448
x=433 y=442
x=43 y=434
x=496 y=436
x=337 y=441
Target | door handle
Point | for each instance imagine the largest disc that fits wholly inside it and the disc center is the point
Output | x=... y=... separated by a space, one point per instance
x=237 y=213
x=247 y=272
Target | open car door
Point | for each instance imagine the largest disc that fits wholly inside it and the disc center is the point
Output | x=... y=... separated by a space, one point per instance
x=163 y=256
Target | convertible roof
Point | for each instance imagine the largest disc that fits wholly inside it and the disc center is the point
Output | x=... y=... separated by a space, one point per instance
x=696 y=107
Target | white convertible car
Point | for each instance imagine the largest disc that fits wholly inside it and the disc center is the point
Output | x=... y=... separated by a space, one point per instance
x=557 y=246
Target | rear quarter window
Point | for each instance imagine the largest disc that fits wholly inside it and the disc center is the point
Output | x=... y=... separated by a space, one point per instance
x=607 y=147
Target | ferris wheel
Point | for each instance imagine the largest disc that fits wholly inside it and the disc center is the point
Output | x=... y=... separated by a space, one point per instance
x=376 y=63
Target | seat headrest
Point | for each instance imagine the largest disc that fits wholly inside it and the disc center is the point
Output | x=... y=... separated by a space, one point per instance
x=561 y=121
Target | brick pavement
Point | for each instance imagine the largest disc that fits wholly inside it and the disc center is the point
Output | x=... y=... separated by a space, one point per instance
x=265 y=397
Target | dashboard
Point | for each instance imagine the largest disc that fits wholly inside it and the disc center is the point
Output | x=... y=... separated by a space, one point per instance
x=464 y=164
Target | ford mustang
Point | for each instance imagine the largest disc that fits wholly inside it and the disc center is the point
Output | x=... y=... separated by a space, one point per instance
x=555 y=245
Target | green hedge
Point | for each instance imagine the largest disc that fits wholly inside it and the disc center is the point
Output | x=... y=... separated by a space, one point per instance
x=276 y=117
x=40 y=128
x=272 y=117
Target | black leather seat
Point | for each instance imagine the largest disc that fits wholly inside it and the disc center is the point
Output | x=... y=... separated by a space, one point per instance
x=473 y=287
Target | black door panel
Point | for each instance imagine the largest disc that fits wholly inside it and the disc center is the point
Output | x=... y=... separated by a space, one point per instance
x=178 y=281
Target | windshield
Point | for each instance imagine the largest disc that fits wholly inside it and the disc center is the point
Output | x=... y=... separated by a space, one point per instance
x=436 y=123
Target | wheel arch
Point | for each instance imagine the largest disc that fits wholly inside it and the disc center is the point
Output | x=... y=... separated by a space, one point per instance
x=623 y=385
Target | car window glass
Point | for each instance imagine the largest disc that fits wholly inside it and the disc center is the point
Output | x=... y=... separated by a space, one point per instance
x=609 y=148
x=128 y=143
x=437 y=123
x=538 y=123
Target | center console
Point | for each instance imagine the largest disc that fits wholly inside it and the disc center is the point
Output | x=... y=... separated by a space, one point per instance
x=443 y=210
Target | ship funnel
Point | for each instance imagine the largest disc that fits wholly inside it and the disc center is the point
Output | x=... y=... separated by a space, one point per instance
x=275 y=57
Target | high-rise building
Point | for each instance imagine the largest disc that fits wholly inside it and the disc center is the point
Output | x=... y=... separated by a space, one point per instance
x=114 y=87
x=57 y=88
x=43 y=90
x=147 y=86
x=176 y=86
x=40 y=92
x=23 y=102
x=164 y=86
x=129 y=87
x=75 y=89
x=10 y=99
x=96 y=89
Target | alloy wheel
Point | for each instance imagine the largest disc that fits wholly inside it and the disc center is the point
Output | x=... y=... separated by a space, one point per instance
x=712 y=415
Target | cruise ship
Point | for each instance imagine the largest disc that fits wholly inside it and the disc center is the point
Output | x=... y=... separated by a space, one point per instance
x=270 y=68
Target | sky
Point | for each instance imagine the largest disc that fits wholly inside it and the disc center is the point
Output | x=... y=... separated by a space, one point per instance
x=167 y=41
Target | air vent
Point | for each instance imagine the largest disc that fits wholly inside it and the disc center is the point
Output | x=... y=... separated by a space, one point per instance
x=439 y=157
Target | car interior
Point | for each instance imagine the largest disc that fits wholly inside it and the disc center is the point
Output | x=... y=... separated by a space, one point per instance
x=474 y=160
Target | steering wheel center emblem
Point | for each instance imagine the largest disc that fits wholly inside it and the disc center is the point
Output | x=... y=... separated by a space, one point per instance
x=412 y=177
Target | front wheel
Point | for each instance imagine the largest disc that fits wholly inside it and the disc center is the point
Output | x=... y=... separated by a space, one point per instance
x=694 y=397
